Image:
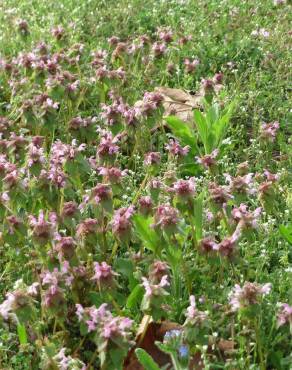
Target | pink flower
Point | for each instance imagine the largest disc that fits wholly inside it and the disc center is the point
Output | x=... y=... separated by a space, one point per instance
x=107 y=146
x=245 y=218
x=190 y=66
x=157 y=270
x=152 y=158
x=112 y=174
x=193 y=315
x=241 y=184
x=159 y=49
x=208 y=160
x=269 y=131
x=145 y=205
x=42 y=230
x=165 y=35
x=157 y=290
x=175 y=149
x=101 y=193
x=121 y=222
x=208 y=245
x=103 y=274
x=66 y=247
x=284 y=315
x=88 y=226
x=166 y=217
x=219 y=194
x=185 y=189
x=249 y=294
x=227 y=246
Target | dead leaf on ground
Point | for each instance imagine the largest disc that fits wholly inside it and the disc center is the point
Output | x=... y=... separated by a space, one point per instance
x=147 y=334
x=180 y=103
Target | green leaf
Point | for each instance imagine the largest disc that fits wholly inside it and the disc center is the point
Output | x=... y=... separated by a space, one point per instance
x=183 y=132
x=198 y=215
x=220 y=126
x=286 y=232
x=135 y=296
x=146 y=360
x=22 y=336
x=146 y=232
x=202 y=127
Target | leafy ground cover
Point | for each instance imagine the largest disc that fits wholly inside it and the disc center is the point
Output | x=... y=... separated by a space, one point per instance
x=146 y=196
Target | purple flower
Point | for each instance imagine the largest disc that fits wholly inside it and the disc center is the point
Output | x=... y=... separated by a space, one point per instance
x=42 y=230
x=166 y=218
x=284 y=315
x=269 y=131
x=58 y=32
x=185 y=189
x=190 y=66
x=103 y=275
x=87 y=227
x=245 y=218
x=101 y=193
x=155 y=290
x=121 y=222
x=69 y=210
x=193 y=315
x=107 y=146
x=207 y=245
x=152 y=158
x=249 y=294
x=157 y=270
x=112 y=174
x=66 y=247
x=241 y=184
x=159 y=49
x=208 y=160
x=227 y=246
x=145 y=205
x=165 y=35
x=219 y=194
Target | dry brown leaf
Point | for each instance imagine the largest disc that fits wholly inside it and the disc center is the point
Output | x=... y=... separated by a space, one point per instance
x=179 y=102
x=148 y=333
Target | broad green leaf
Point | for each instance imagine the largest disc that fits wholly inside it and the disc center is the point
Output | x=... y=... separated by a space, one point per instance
x=202 y=127
x=183 y=132
x=22 y=336
x=220 y=126
x=135 y=296
x=146 y=232
x=286 y=232
x=146 y=360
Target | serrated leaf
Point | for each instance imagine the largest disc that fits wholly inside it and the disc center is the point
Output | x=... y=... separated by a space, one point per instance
x=146 y=360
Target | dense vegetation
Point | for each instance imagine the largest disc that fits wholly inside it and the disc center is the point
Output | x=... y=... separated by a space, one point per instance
x=146 y=197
